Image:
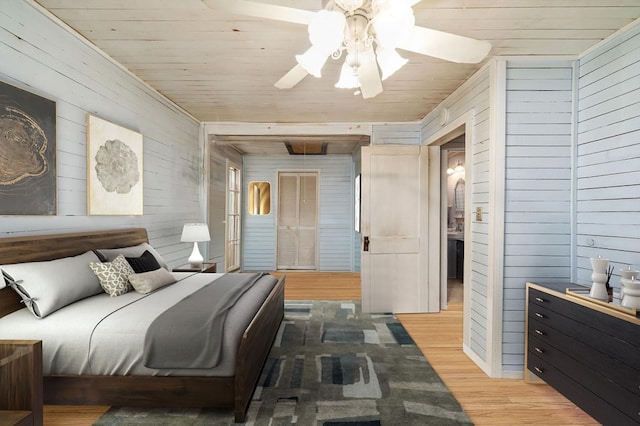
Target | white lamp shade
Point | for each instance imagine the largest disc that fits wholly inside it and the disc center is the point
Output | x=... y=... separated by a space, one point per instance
x=326 y=30
x=313 y=60
x=389 y=60
x=348 y=77
x=392 y=22
x=195 y=232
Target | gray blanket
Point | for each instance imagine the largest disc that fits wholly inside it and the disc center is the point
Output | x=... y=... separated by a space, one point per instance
x=189 y=334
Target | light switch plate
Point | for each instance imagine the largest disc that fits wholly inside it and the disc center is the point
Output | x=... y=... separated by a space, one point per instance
x=478 y=214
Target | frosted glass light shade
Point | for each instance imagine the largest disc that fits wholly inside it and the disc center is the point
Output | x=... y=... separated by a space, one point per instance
x=313 y=60
x=393 y=22
x=389 y=60
x=348 y=78
x=326 y=30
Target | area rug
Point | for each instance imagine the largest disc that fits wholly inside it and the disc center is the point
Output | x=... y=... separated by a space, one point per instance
x=331 y=365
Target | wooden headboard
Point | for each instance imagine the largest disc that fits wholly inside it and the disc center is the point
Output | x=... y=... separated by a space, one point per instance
x=37 y=248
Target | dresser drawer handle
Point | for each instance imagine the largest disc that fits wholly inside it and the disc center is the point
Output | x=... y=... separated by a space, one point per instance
x=539 y=299
x=539 y=332
x=539 y=315
x=537 y=349
x=538 y=370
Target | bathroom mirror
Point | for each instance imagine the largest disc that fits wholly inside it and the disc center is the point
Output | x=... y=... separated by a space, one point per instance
x=259 y=195
x=459 y=196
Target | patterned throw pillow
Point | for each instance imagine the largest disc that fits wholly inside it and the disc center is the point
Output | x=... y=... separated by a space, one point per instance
x=114 y=275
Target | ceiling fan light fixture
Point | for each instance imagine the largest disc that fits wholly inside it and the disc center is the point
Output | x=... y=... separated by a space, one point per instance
x=392 y=22
x=326 y=30
x=348 y=77
x=350 y=5
x=313 y=60
x=389 y=61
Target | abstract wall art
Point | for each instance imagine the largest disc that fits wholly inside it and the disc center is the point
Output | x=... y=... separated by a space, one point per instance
x=27 y=153
x=114 y=169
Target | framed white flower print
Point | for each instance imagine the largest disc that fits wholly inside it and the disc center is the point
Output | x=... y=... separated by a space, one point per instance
x=114 y=169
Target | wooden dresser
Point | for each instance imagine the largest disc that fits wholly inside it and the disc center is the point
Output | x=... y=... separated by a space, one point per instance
x=588 y=352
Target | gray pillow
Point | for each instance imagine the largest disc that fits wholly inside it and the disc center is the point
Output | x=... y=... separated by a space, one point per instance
x=132 y=251
x=48 y=286
x=152 y=280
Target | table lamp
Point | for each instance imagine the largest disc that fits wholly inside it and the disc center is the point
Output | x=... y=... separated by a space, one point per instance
x=194 y=233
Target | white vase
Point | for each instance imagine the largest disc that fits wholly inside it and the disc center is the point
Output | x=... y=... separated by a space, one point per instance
x=599 y=278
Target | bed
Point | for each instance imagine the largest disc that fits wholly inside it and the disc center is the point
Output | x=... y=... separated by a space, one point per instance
x=228 y=385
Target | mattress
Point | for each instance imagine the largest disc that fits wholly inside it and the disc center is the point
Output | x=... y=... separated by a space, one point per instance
x=103 y=335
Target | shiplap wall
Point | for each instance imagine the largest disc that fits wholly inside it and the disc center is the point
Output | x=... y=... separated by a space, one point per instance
x=537 y=241
x=335 y=220
x=608 y=156
x=42 y=57
x=473 y=96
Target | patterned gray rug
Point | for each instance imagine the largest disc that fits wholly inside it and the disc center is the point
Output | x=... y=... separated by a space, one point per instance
x=331 y=365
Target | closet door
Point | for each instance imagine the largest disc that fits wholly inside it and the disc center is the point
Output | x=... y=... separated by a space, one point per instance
x=297 y=220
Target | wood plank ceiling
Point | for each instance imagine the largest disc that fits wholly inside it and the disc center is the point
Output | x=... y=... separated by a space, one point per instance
x=222 y=67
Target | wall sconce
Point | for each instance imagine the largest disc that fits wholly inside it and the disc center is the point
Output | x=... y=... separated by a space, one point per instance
x=195 y=233
x=458 y=169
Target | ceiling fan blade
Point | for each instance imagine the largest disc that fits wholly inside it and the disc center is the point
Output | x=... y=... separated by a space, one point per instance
x=447 y=46
x=293 y=77
x=370 y=83
x=262 y=10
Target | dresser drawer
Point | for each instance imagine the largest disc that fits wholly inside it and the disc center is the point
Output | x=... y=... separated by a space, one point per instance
x=607 y=324
x=541 y=337
x=625 y=398
x=601 y=409
x=609 y=345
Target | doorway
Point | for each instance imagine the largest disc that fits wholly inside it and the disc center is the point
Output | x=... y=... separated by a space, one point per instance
x=453 y=197
x=297 y=220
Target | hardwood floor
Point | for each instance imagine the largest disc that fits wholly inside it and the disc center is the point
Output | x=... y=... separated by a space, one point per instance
x=486 y=401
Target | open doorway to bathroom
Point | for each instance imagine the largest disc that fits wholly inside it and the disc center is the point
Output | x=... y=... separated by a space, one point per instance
x=453 y=197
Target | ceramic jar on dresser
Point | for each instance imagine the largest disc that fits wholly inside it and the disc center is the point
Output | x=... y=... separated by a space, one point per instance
x=587 y=351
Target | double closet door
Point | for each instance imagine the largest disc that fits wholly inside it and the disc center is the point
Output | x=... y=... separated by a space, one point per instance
x=297 y=220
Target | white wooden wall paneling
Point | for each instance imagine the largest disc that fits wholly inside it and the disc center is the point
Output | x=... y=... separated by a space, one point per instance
x=335 y=222
x=46 y=59
x=608 y=182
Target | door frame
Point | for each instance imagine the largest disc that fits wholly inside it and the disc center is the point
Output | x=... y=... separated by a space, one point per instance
x=437 y=219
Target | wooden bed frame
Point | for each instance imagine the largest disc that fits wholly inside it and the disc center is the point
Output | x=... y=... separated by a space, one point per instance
x=146 y=391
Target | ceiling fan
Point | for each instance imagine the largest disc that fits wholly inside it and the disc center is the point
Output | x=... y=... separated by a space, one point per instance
x=369 y=31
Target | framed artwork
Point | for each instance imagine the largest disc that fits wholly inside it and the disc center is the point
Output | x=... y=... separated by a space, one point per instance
x=114 y=169
x=28 y=180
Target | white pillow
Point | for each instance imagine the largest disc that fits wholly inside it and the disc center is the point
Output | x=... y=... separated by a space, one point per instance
x=132 y=251
x=146 y=282
x=48 y=286
x=114 y=275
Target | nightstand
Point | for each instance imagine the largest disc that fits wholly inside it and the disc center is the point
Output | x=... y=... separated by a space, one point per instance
x=206 y=268
x=21 y=382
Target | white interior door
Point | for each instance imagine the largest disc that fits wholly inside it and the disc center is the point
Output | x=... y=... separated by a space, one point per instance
x=297 y=220
x=393 y=263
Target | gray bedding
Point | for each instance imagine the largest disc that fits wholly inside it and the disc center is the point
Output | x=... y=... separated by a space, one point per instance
x=188 y=334
x=104 y=335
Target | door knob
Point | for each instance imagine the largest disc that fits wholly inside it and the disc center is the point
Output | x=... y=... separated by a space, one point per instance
x=365 y=244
